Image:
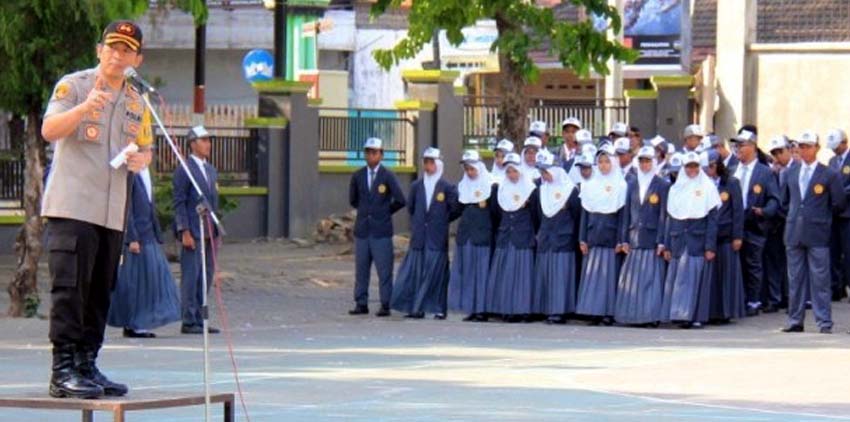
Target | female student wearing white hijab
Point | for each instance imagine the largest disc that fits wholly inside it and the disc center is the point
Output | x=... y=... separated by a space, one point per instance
x=503 y=148
x=641 y=284
x=691 y=240
x=603 y=198
x=530 y=148
x=423 y=278
x=478 y=220
x=555 y=272
x=512 y=267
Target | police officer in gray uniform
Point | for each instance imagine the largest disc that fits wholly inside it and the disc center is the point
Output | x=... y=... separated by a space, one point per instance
x=91 y=117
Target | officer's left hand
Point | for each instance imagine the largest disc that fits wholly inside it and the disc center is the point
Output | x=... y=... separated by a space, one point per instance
x=736 y=244
x=136 y=161
x=709 y=255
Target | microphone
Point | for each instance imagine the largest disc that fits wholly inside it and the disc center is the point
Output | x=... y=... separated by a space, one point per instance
x=134 y=78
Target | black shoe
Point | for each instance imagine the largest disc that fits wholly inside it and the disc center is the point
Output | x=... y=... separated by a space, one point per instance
x=131 y=333
x=608 y=321
x=808 y=304
x=482 y=318
x=793 y=329
x=191 y=329
x=384 y=312
x=826 y=330
x=471 y=318
x=770 y=309
x=838 y=295
x=697 y=325
x=440 y=317
x=86 y=358
x=686 y=325
x=66 y=380
x=212 y=330
x=555 y=319
x=417 y=315
x=359 y=310
x=752 y=311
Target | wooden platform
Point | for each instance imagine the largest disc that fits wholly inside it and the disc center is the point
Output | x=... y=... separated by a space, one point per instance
x=118 y=406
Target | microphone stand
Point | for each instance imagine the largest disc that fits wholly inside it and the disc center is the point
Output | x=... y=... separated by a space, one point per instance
x=203 y=209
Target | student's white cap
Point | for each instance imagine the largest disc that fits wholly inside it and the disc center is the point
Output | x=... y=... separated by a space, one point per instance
x=374 y=143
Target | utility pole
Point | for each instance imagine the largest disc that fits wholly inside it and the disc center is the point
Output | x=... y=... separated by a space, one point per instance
x=199 y=103
x=280 y=39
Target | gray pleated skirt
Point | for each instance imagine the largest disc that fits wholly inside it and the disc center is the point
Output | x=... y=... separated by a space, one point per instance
x=682 y=288
x=597 y=294
x=509 y=283
x=554 y=283
x=145 y=295
x=468 y=281
x=640 y=290
x=727 y=290
x=422 y=282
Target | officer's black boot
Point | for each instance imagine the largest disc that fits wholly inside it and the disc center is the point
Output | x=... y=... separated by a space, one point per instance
x=86 y=357
x=66 y=381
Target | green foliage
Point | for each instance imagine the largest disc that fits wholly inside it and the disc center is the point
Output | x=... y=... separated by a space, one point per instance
x=41 y=40
x=523 y=27
x=31 y=303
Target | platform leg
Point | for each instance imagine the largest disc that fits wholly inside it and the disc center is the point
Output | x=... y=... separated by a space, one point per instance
x=118 y=415
x=88 y=416
x=228 y=411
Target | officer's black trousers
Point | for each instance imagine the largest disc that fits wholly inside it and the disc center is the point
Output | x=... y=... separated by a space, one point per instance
x=83 y=261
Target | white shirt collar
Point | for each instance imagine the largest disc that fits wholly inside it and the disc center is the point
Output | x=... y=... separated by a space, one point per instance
x=811 y=166
x=200 y=161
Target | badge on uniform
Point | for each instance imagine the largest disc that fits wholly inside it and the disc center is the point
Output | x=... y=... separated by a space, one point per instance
x=608 y=188
x=135 y=107
x=382 y=188
x=441 y=197
x=757 y=189
x=653 y=199
x=724 y=196
x=818 y=189
x=61 y=91
x=478 y=194
x=698 y=193
x=92 y=132
x=516 y=199
x=558 y=195
x=846 y=170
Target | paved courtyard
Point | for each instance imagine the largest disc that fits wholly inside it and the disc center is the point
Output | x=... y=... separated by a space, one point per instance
x=301 y=358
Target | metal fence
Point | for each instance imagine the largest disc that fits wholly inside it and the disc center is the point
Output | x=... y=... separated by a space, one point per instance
x=234 y=155
x=343 y=131
x=12 y=180
x=481 y=117
x=793 y=21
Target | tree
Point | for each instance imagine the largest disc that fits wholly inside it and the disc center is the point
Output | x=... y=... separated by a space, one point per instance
x=522 y=27
x=41 y=40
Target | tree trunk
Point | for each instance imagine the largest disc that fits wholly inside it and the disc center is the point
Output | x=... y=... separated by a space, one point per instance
x=23 y=289
x=513 y=108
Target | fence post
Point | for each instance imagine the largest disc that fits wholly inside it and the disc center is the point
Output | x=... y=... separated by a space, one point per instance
x=288 y=154
x=436 y=87
x=672 y=104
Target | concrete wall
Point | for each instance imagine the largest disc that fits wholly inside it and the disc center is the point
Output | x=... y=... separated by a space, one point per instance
x=799 y=88
x=248 y=220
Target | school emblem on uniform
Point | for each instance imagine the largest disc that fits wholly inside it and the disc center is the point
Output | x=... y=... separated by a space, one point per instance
x=135 y=107
x=653 y=199
x=382 y=188
x=757 y=189
x=557 y=195
x=61 y=91
x=92 y=132
x=516 y=198
x=478 y=194
x=698 y=193
x=441 y=197
x=608 y=188
x=818 y=189
x=846 y=170
x=724 y=196
x=482 y=204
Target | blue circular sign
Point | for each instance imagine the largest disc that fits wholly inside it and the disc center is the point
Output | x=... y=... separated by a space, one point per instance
x=258 y=65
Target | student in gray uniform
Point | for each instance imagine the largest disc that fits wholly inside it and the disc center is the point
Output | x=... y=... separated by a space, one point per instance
x=836 y=140
x=376 y=195
x=641 y=284
x=691 y=239
x=812 y=194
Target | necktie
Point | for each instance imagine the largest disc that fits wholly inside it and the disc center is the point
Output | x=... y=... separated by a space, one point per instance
x=371 y=177
x=804 y=181
x=745 y=182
